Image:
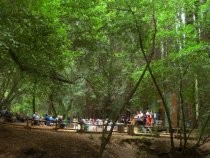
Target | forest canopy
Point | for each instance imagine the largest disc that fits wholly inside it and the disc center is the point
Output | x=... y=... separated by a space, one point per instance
x=84 y=57
x=107 y=59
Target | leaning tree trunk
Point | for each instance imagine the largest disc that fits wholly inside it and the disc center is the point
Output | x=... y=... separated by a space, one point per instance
x=150 y=70
x=107 y=137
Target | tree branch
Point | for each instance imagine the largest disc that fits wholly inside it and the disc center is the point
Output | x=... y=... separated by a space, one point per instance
x=54 y=75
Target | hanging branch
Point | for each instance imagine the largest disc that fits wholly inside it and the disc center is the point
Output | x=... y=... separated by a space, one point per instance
x=52 y=75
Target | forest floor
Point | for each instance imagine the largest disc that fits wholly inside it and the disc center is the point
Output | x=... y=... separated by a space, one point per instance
x=18 y=142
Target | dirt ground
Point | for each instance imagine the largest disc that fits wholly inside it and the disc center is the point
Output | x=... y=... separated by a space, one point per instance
x=19 y=142
x=32 y=143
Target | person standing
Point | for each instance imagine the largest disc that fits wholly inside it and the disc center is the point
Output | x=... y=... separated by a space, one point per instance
x=36 y=118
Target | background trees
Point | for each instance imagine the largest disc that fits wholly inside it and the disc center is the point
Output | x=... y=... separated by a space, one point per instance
x=84 y=57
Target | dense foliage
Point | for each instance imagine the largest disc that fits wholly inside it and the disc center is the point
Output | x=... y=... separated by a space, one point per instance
x=83 y=58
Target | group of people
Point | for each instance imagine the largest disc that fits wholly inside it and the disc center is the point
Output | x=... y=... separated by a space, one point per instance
x=48 y=120
x=148 y=118
x=7 y=115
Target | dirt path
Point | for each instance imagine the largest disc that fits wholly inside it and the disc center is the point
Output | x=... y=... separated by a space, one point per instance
x=23 y=143
x=18 y=142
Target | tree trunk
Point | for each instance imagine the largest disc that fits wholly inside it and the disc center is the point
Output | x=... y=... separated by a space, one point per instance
x=183 y=115
x=151 y=73
x=34 y=103
x=105 y=139
x=34 y=98
x=51 y=105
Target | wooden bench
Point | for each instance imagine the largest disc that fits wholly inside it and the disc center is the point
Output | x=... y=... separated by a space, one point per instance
x=158 y=123
x=35 y=122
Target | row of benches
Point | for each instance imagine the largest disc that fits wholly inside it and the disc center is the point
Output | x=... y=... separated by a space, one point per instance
x=56 y=123
x=120 y=128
